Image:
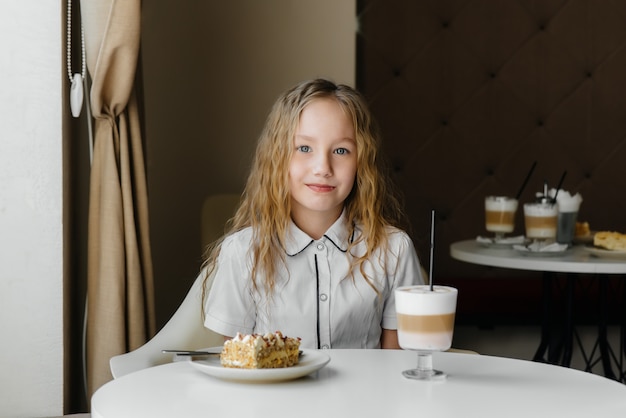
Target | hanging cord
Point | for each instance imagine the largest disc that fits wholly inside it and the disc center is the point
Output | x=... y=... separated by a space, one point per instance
x=79 y=88
x=84 y=342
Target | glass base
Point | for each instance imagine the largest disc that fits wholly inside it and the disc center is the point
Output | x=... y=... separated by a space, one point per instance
x=418 y=374
x=424 y=369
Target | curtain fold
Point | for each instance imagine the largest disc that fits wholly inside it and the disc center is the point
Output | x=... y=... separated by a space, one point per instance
x=120 y=284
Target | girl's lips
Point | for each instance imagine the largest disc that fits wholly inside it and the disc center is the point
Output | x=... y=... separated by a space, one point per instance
x=321 y=187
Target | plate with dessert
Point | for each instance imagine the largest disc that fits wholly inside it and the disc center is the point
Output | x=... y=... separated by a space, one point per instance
x=608 y=244
x=271 y=357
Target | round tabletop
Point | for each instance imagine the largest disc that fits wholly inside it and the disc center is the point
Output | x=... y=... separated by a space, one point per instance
x=368 y=383
x=576 y=259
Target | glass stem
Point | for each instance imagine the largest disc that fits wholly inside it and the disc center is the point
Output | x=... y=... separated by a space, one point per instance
x=425 y=362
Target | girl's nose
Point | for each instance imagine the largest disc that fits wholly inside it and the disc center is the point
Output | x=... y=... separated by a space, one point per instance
x=322 y=166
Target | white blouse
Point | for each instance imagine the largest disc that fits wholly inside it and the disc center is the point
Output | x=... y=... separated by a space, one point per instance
x=314 y=298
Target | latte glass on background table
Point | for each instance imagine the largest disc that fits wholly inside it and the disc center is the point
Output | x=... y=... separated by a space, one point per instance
x=500 y=215
x=425 y=324
x=541 y=221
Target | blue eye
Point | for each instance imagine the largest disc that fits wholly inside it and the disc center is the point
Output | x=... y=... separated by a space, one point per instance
x=304 y=148
x=342 y=151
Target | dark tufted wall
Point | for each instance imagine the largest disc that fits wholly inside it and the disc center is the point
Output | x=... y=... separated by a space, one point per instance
x=468 y=93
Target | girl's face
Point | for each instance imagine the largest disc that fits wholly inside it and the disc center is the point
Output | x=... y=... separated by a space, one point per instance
x=323 y=165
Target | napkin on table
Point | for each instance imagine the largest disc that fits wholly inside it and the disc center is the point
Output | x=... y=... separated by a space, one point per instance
x=540 y=247
x=503 y=241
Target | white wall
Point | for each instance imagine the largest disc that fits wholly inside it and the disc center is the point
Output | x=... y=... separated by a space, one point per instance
x=31 y=205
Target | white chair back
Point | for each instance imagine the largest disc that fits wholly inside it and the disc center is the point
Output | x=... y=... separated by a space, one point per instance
x=184 y=331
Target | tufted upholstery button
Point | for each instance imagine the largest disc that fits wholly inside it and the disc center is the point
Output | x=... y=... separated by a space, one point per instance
x=540 y=122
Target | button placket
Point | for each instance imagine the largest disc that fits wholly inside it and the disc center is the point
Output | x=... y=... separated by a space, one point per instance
x=322 y=251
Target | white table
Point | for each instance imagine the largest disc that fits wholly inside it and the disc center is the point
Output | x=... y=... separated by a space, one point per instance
x=368 y=383
x=576 y=260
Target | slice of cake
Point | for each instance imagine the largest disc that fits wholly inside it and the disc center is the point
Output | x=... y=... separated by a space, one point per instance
x=257 y=351
x=610 y=240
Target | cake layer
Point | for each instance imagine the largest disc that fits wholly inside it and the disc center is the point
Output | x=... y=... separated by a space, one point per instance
x=255 y=351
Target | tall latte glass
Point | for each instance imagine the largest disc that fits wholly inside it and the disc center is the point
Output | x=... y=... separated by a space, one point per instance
x=425 y=324
x=541 y=221
x=500 y=215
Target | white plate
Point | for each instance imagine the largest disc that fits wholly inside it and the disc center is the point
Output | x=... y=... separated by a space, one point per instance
x=603 y=252
x=310 y=361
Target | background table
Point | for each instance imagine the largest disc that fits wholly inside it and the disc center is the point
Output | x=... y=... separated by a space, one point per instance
x=368 y=383
x=576 y=260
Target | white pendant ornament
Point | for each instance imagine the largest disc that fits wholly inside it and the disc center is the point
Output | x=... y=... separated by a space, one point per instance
x=76 y=95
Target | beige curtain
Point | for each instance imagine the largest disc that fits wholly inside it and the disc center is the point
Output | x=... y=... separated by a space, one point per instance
x=120 y=284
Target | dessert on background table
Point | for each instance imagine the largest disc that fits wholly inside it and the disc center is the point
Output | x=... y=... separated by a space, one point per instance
x=610 y=240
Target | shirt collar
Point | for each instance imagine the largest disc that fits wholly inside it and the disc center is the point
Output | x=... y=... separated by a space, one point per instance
x=338 y=234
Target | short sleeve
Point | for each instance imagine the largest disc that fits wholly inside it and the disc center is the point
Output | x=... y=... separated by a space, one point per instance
x=230 y=307
x=407 y=272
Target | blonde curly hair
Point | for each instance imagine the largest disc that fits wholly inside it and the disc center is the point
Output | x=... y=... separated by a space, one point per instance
x=265 y=204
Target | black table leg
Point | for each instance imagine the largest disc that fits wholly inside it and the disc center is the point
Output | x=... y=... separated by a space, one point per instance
x=546 y=320
x=622 y=335
x=568 y=336
x=603 y=342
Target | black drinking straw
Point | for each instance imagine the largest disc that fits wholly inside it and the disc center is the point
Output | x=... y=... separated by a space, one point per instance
x=432 y=246
x=521 y=189
x=558 y=187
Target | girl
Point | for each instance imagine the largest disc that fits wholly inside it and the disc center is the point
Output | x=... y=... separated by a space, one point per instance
x=314 y=249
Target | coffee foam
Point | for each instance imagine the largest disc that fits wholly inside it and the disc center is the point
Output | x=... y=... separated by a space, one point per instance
x=419 y=300
x=498 y=203
x=540 y=210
